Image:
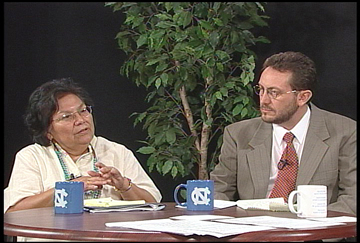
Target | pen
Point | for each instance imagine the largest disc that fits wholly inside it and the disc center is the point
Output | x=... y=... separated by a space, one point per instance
x=72 y=177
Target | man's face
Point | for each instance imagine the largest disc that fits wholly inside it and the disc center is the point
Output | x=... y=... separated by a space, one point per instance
x=279 y=110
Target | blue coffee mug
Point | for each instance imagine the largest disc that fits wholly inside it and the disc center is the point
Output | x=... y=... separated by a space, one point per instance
x=69 y=197
x=199 y=195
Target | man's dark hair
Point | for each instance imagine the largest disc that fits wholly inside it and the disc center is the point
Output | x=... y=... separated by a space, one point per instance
x=302 y=68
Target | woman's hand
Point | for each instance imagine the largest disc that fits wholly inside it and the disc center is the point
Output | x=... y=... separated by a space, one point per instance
x=93 y=182
x=111 y=176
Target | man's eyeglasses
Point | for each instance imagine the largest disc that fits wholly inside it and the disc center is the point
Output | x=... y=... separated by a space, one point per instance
x=69 y=117
x=272 y=93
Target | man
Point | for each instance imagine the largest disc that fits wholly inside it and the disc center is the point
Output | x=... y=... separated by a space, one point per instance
x=323 y=148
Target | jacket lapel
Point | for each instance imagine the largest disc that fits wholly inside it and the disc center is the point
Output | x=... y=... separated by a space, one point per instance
x=259 y=159
x=314 y=148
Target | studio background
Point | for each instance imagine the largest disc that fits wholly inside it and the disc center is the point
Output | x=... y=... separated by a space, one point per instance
x=44 y=41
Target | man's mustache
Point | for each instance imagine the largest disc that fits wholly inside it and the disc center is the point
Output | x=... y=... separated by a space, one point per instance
x=266 y=107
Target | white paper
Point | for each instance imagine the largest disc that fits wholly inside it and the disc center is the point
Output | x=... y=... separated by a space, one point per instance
x=200 y=217
x=109 y=202
x=218 y=204
x=262 y=204
x=280 y=222
x=343 y=219
x=126 y=208
x=189 y=227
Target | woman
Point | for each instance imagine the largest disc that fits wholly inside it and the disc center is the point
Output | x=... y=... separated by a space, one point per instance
x=59 y=118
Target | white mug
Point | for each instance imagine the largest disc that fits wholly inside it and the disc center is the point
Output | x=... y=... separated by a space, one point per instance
x=311 y=201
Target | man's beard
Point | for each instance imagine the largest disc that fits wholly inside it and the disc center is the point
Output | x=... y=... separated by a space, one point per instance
x=283 y=116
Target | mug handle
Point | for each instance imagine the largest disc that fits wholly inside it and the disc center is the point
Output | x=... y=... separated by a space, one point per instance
x=176 y=194
x=291 y=203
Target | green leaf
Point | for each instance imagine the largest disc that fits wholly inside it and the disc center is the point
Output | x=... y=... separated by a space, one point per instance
x=146 y=150
x=238 y=109
x=164 y=78
x=174 y=171
x=161 y=67
x=152 y=61
x=170 y=136
x=165 y=25
x=206 y=25
x=224 y=91
x=218 y=22
x=137 y=21
x=167 y=167
x=205 y=71
x=163 y=16
x=244 y=112
x=142 y=40
x=222 y=55
x=220 y=66
x=218 y=95
x=187 y=17
x=214 y=39
x=180 y=167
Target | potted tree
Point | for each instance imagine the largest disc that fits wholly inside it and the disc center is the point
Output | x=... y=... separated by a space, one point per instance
x=194 y=59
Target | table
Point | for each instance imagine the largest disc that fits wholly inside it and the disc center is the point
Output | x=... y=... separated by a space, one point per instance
x=44 y=223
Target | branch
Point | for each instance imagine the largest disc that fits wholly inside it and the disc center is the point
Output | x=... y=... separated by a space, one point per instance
x=205 y=133
x=189 y=116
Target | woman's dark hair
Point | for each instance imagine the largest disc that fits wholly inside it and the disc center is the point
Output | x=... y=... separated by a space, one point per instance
x=43 y=103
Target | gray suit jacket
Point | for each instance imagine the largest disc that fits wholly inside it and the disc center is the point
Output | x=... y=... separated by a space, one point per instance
x=329 y=158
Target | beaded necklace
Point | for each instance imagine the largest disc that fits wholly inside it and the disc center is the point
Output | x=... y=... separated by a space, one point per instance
x=90 y=193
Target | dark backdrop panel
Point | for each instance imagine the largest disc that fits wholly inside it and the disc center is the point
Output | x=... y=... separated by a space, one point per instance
x=43 y=41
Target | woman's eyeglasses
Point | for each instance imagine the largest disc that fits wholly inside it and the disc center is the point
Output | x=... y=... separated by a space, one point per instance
x=70 y=117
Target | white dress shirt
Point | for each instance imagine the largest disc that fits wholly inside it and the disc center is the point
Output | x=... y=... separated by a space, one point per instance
x=279 y=144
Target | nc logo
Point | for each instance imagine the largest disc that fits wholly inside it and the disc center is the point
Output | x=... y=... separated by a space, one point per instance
x=200 y=196
x=60 y=198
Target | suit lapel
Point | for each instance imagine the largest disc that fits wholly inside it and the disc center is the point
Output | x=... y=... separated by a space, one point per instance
x=259 y=159
x=314 y=148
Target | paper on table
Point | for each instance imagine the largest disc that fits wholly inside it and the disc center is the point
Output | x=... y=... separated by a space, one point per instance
x=109 y=202
x=200 y=217
x=189 y=227
x=126 y=208
x=280 y=222
x=263 y=204
x=218 y=204
x=343 y=219
x=223 y=204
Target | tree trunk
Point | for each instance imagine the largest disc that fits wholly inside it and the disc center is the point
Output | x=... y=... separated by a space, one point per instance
x=205 y=134
x=189 y=116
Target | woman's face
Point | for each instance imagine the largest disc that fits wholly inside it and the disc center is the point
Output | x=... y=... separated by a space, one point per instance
x=75 y=132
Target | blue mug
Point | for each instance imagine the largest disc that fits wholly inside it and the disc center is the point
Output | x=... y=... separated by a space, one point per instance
x=69 y=197
x=199 y=195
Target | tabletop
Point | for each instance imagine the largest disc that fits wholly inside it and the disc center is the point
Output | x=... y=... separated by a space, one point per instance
x=44 y=223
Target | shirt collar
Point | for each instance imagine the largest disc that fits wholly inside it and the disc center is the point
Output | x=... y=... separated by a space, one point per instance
x=299 y=130
x=90 y=147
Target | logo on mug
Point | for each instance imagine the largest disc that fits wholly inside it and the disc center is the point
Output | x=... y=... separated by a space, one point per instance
x=60 y=198
x=200 y=196
x=69 y=197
